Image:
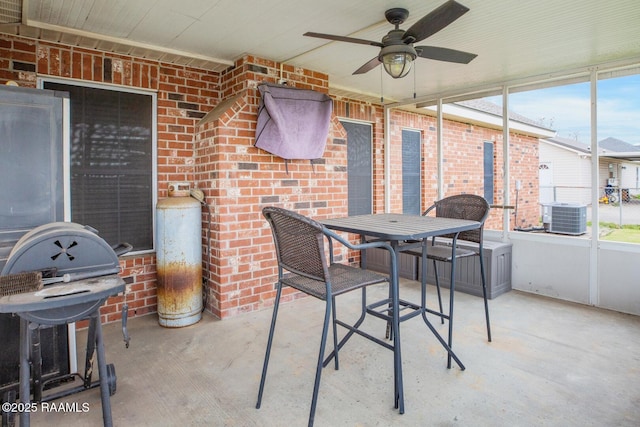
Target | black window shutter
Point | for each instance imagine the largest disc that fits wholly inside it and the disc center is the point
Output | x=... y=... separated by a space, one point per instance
x=359 y=168
x=411 y=159
x=488 y=171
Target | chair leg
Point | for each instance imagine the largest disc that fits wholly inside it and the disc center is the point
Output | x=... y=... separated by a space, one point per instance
x=484 y=294
x=323 y=342
x=335 y=334
x=435 y=272
x=350 y=328
x=269 y=342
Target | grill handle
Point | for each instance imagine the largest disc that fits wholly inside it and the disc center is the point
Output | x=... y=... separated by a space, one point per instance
x=122 y=248
x=69 y=277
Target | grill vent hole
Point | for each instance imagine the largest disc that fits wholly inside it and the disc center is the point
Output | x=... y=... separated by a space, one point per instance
x=63 y=250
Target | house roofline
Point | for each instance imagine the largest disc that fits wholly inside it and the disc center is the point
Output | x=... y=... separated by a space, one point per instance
x=469 y=114
x=569 y=147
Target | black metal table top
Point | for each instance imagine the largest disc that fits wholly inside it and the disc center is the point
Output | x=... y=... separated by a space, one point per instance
x=391 y=226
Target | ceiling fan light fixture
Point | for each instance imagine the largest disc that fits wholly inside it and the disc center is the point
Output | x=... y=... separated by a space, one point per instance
x=397 y=60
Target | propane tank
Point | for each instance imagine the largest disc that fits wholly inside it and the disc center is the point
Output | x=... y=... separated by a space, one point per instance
x=179 y=258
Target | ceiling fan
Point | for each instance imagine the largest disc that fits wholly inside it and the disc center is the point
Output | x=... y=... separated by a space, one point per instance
x=397 y=51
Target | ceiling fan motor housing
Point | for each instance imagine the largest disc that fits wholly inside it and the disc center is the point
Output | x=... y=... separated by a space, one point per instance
x=395 y=45
x=396 y=16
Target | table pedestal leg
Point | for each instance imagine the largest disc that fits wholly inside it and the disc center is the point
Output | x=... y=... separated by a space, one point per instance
x=395 y=328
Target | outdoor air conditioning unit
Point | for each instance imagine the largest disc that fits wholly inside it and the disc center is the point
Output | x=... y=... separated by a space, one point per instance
x=565 y=218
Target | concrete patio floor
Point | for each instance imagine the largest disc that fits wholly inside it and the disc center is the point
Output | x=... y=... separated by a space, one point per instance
x=551 y=363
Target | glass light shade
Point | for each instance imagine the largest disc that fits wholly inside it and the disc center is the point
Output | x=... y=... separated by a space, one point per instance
x=397 y=65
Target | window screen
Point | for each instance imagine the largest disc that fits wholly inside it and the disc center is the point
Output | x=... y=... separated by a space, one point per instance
x=111 y=162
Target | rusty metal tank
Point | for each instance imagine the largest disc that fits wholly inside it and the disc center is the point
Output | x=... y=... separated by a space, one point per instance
x=179 y=258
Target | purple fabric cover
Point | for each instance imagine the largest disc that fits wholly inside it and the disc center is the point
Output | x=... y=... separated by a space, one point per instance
x=293 y=123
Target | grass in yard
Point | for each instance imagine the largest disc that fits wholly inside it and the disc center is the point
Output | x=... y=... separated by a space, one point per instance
x=623 y=235
x=626 y=233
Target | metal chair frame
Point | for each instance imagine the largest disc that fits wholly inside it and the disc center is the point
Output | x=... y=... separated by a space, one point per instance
x=300 y=249
x=461 y=206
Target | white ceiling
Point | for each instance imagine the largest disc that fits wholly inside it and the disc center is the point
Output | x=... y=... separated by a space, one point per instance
x=514 y=39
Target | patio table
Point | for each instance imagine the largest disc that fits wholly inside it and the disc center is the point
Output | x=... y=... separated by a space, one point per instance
x=403 y=232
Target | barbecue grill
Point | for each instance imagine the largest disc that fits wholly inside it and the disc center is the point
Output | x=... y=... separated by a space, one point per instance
x=60 y=273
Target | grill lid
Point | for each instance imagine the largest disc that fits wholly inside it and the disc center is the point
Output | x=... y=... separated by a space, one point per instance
x=68 y=250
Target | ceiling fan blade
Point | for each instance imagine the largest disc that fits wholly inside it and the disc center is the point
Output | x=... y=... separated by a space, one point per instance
x=368 y=66
x=434 y=21
x=444 y=54
x=343 y=39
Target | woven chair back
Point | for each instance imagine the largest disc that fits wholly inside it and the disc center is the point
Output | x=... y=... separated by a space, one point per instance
x=464 y=206
x=299 y=243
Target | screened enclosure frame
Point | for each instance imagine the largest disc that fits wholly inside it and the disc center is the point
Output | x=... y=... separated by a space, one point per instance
x=592 y=75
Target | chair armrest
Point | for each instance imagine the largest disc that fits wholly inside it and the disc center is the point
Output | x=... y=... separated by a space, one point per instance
x=429 y=209
x=360 y=246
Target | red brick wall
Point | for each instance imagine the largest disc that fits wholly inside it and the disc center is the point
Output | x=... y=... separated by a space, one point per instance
x=524 y=160
x=240 y=179
x=218 y=156
x=463 y=168
x=184 y=96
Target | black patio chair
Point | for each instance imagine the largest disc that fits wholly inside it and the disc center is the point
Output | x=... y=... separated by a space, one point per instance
x=302 y=264
x=461 y=206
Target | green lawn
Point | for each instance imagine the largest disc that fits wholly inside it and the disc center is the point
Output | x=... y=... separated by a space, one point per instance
x=629 y=233
x=623 y=235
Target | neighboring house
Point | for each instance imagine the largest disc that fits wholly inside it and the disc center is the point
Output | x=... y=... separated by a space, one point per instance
x=620 y=162
x=565 y=169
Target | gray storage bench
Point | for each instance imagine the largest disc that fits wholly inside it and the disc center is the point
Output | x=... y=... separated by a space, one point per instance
x=497 y=261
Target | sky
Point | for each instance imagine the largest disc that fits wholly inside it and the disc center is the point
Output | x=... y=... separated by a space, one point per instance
x=566 y=109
